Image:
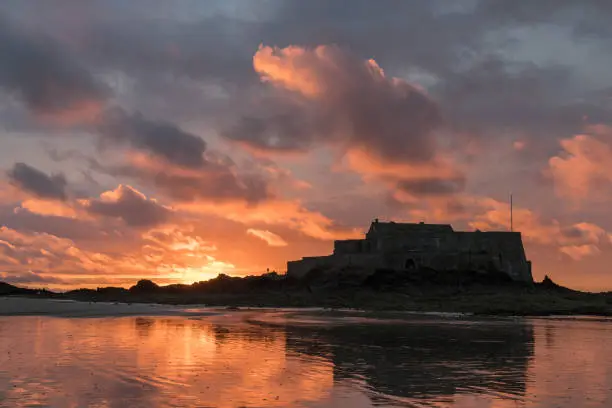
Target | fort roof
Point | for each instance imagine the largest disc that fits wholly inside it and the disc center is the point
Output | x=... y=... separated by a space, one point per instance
x=402 y=228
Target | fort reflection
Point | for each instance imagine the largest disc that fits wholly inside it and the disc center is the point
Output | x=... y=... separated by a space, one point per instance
x=425 y=360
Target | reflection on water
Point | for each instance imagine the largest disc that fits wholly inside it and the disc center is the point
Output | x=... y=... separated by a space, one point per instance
x=261 y=359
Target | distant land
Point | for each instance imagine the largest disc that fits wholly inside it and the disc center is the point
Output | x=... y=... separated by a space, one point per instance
x=419 y=291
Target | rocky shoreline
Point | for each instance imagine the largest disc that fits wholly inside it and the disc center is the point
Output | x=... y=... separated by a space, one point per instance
x=459 y=292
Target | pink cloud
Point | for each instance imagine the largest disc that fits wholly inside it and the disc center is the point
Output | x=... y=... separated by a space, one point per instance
x=583 y=170
x=129 y=205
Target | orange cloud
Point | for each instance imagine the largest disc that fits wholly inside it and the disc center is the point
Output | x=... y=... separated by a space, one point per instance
x=129 y=205
x=308 y=71
x=384 y=126
x=48 y=207
x=169 y=255
x=44 y=257
x=577 y=252
x=271 y=238
x=583 y=170
x=408 y=182
x=179 y=254
x=576 y=240
x=331 y=97
x=290 y=67
x=287 y=213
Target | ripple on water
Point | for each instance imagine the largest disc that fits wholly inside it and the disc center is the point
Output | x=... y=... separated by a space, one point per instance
x=281 y=358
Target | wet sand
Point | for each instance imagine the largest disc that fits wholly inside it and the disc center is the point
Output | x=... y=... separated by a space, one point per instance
x=280 y=358
x=16 y=306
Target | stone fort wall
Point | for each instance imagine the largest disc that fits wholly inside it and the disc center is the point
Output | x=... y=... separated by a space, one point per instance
x=439 y=250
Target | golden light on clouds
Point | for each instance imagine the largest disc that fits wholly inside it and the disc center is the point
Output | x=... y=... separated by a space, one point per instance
x=583 y=170
x=215 y=172
x=48 y=207
x=269 y=237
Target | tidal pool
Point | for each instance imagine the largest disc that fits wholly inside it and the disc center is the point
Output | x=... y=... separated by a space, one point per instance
x=288 y=358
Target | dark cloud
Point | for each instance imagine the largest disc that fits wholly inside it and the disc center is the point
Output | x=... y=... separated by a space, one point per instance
x=34 y=181
x=277 y=124
x=573 y=232
x=190 y=49
x=445 y=41
x=496 y=95
x=217 y=180
x=432 y=186
x=129 y=205
x=188 y=171
x=162 y=139
x=64 y=227
x=30 y=278
x=48 y=79
x=216 y=184
x=566 y=12
x=466 y=55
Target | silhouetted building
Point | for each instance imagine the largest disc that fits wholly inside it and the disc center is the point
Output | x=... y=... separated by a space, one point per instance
x=405 y=246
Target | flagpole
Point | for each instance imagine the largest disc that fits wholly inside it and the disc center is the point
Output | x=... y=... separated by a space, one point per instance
x=511 y=223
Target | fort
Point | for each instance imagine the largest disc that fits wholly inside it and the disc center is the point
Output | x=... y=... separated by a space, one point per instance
x=411 y=246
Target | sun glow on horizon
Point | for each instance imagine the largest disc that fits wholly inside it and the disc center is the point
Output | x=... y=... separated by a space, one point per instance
x=192 y=274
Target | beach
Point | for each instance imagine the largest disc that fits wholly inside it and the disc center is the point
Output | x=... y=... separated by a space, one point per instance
x=16 y=306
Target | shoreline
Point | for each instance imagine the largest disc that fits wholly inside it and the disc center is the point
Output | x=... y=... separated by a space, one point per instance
x=28 y=305
x=384 y=291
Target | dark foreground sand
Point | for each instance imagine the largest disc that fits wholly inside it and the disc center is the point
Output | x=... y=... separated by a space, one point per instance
x=16 y=306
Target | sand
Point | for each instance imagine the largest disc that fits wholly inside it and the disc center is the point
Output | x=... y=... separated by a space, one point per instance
x=16 y=306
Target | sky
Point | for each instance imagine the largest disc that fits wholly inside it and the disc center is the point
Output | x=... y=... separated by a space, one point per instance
x=175 y=141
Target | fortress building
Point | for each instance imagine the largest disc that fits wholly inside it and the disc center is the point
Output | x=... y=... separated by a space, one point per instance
x=406 y=246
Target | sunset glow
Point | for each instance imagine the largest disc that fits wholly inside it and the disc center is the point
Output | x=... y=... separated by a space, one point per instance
x=142 y=144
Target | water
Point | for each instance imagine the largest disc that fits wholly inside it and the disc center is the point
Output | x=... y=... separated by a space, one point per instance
x=304 y=359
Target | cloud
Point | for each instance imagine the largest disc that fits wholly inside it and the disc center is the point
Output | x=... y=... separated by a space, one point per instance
x=578 y=252
x=182 y=254
x=409 y=182
x=42 y=253
x=470 y=55
x=35 y=258
x=57 y=221
x=271 y=238
x=344 y=101
x=174 y=161
x=583 y=170
x=31 y=278
x=179 y=241
x=287 y=213
x=36 y=182
x=47 y=79
x=574 y=239
x=489 y=73
x=161 y=139
x=432 y=186
x=327 y=96
x=219 y=180
x=167 y=254
x=129 y=205
x=48 y=208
